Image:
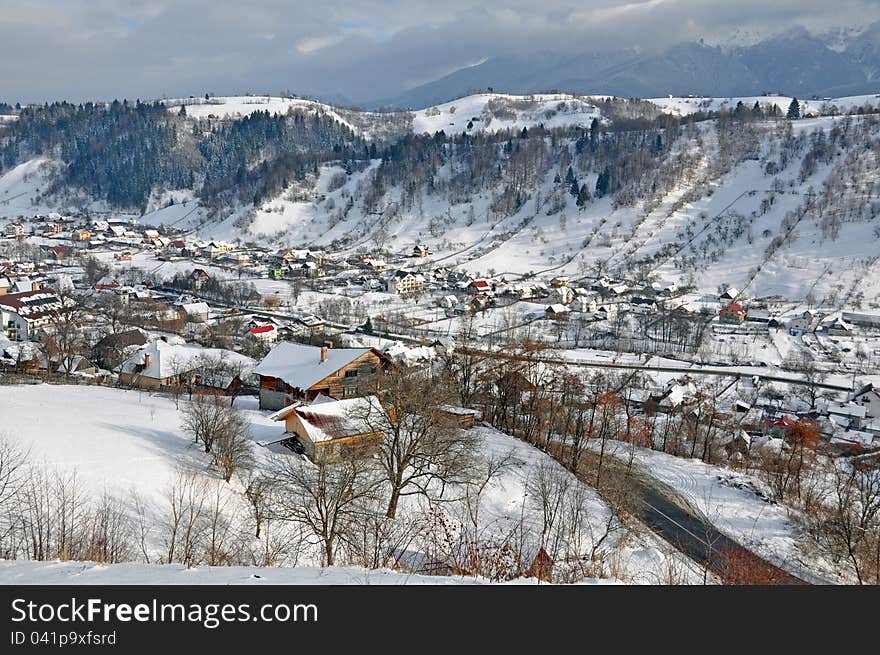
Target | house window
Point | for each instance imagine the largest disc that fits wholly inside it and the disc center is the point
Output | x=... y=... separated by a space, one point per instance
x=351 y=374
x=348 y=392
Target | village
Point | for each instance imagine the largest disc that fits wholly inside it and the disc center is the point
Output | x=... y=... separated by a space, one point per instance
x=306 y=340
x=241 y=301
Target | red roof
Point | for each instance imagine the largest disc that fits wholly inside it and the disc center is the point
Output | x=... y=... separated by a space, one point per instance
x=480 y=284
x=262 y=329
x=784 y=422
x=734 y=307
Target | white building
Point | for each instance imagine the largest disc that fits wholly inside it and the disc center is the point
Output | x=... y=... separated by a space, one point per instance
x=404 y=282
x=21 y=314
x=869 y=397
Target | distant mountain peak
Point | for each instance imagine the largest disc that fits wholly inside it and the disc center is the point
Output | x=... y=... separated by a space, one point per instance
x=796 y=61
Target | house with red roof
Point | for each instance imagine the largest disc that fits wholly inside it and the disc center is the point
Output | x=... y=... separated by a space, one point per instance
x=265 y=333
x=478 y=287
x=733 y=313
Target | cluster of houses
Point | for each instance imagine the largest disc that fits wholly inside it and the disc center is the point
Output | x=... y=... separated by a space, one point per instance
x=850 y=427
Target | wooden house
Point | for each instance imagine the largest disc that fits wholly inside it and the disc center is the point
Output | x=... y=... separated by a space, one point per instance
x=293 y=371
x=458 y=417
x=329 y=430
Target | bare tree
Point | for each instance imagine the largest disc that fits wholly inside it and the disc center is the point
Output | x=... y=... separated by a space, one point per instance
x=183 y=518
x=853 y=517
x=419 y=445
x=257 y=489
x=328 y=501
x=463 y=366
x=13 y=458
x=207 y=417
x=114 y=311
x=221 y=539
x=110 y=531
x=810 y=374
x=13 y=475
x=66 y=329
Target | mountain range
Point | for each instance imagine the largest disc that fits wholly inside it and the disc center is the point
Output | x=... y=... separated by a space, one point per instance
x=795 y=62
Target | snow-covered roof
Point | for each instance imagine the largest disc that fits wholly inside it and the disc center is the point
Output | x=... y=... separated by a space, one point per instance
x=31 y=305
x=338 y=419
x=300 y=366
x=196 y=307
x=843 y=409
x=403 y=354
x=169 y=359
x=856 y=437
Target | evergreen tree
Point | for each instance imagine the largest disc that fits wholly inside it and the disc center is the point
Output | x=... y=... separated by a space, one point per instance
x=584 y=197
x=657 y=146
x=595 y=128
x=602 y=183
x=794 y=110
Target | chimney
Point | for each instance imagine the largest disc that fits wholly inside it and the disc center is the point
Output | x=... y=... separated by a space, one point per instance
x=323 y=353
x=146 y=360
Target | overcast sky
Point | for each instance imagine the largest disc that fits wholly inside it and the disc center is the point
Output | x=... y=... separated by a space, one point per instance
x=359 y=49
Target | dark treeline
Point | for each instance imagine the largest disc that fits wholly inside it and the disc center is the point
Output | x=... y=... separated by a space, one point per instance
x=122 y=151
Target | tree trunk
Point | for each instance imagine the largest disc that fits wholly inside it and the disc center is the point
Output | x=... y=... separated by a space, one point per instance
x=392 y=503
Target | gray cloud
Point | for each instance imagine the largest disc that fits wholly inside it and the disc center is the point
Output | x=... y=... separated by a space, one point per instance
x=362 y=50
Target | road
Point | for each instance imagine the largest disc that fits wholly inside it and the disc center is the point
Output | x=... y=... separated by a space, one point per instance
x=668 y=515
x=733 y=371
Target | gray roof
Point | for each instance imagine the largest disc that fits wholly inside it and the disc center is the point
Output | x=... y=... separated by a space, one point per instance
x=300 y=366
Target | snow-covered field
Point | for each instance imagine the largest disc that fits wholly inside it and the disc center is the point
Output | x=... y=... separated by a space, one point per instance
x=131 y=442
x=492 y=112
x=18 y=572
x=118 y=440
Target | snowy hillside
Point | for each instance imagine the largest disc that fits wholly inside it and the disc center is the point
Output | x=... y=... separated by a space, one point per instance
x=488 y=112
x=712 y=227
x=492 y=112
x=717 y=204
x=682 y=106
